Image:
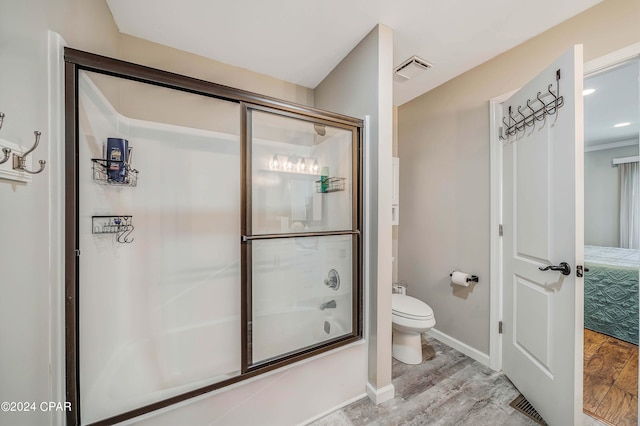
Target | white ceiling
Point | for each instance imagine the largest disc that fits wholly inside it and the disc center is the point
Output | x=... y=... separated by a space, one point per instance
x=615 y=100
x=301 y=41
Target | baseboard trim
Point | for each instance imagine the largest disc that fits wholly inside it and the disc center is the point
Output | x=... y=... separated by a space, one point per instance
x=378 y=396
x=331 y=410
x=456 y=344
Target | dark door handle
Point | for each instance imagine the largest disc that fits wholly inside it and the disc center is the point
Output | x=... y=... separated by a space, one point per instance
x=563 y=267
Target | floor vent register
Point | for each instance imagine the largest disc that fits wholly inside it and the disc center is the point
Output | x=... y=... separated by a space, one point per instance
x=522 y=405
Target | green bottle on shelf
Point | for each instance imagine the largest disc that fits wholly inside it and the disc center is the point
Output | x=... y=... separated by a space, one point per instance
x=324 y=179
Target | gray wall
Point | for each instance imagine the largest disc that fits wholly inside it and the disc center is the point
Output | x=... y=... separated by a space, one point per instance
x=602 y=196
x=362 y=85
x=444 y=173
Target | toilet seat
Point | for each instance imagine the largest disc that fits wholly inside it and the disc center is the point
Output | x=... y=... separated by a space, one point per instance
x=411 y=308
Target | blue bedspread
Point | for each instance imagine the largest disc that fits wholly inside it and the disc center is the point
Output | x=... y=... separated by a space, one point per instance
x=611 y=292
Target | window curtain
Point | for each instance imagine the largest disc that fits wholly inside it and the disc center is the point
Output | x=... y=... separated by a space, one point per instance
x=629 y=205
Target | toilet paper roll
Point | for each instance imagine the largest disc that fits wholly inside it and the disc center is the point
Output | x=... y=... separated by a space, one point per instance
x=460 y=278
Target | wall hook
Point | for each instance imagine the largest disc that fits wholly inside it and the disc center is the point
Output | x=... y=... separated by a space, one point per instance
x=542 y=111
x=532 y=115
x=20 y=161
x=6 y=152
x=523 y=121
x=553 y=105
x=123 y=236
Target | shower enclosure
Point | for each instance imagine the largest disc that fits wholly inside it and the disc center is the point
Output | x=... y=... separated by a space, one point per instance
x=211 y=235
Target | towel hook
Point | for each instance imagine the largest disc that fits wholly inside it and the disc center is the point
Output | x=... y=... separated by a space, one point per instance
x=543 y=110
x=557 y=100
x=523 y=121
x=514 y=126
x=5 y=151
x=20 y=161
x=123 y=236
x=504 y=135
x=552 y=106
x=533 y=113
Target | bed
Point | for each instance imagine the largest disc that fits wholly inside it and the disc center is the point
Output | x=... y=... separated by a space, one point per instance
x=611 y=292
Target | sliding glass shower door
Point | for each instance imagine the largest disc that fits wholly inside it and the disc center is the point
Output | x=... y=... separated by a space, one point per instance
x=212 y=235
x=159 y=218
x=300 y=233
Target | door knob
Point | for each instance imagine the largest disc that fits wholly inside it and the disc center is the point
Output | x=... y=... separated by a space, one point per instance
x=563 y=267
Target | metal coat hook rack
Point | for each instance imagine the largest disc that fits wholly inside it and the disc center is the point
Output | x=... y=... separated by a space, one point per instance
x=5 y=151
x=20 y=161
x=538 y=109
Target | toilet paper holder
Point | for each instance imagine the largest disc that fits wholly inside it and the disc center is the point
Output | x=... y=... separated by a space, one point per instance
x=472 y=278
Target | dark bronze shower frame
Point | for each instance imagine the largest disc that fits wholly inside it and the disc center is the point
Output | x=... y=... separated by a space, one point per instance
x=75 y=61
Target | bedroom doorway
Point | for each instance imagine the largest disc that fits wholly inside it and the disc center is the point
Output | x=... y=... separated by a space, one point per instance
x=611 y=234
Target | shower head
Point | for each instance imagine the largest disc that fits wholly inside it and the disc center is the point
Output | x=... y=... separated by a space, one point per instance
x=320 y=129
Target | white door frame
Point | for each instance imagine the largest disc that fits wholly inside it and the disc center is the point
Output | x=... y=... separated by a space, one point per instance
x=56 y=169
x=592 y=67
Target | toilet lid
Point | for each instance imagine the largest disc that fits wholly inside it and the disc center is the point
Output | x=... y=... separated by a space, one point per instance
x=410 y=307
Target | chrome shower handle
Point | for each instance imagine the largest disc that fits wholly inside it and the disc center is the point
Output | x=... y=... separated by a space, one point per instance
x=333 y=280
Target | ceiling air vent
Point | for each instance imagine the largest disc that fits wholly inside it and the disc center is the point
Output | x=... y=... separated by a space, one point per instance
x=411 y=68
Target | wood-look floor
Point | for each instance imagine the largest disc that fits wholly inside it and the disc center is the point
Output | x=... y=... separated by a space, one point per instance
x=447 y=389
x=610 y=379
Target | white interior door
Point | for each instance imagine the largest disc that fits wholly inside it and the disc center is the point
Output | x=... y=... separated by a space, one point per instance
x=542 y=226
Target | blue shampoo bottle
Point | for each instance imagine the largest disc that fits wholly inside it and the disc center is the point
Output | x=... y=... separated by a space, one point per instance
x=117 y=152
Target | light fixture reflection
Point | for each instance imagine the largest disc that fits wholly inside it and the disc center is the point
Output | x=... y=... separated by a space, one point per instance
x=294 y=164
x=274 y=163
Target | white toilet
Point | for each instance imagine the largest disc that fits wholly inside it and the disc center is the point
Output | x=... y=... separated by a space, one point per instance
x=410 y=318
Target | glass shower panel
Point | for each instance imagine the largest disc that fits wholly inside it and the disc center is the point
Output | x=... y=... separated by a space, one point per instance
x=159 y=286
x=302 y=175
x=302 y=293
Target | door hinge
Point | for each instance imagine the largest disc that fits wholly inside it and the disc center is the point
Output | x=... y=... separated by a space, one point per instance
x=579 y=271
x=499 y=327
x=500 y=230
x=77 y=252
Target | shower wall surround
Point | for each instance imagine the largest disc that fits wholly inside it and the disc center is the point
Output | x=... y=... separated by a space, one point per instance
x=237 y=265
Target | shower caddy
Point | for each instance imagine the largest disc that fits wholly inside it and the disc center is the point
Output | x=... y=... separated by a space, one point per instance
x=119 y=225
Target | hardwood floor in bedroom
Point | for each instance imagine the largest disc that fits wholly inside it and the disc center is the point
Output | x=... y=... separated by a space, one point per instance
x=610 y=379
